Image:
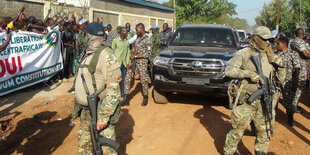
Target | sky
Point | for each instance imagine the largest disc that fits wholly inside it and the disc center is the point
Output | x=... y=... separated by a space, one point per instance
x=247 y=9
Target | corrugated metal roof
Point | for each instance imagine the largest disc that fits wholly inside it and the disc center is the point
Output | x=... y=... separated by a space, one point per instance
x=150 y=4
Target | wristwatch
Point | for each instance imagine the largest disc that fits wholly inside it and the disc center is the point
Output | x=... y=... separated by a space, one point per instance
x=135 y=56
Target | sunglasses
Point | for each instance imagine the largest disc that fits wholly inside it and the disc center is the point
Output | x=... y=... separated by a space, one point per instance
x=271 y=39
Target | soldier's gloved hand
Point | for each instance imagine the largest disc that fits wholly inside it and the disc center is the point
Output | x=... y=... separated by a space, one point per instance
x=256 y=78
x=273 y=58
x=101 y=125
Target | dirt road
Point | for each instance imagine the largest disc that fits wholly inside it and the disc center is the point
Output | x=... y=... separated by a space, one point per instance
x=189 y=124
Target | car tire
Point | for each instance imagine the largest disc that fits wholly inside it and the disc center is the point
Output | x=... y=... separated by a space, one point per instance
x=159 y=97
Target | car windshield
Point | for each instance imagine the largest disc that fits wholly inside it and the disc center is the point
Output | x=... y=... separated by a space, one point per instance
x=241 y=35
x=210 y=37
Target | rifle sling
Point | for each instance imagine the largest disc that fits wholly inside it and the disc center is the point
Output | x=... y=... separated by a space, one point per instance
x=92 y=69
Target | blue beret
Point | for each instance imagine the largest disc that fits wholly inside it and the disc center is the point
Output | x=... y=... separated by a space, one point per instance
x=105 y=25
x=153 y=27
x=95 y=29
x=169 y=27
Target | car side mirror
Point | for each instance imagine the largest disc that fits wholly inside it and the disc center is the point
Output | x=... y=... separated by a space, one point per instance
x=244 y=44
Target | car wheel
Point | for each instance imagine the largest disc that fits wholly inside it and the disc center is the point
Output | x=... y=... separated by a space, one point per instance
x=159 y=97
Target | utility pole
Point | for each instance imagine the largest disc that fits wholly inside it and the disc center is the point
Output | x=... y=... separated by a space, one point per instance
x=278 y=17
x=175 y=18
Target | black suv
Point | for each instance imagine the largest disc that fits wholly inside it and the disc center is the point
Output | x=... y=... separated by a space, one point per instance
x=194 y=61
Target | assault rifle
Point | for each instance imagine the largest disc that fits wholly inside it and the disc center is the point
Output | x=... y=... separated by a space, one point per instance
x=266 y=93
x=96 y=138
x=82 y=55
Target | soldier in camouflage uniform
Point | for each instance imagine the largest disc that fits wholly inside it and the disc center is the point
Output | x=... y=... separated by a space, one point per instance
x=292 y=65
x=107 y=72
x=155 y=38
x=299 y=46
x=143 y=50
x=81 y=42
x=242 y=67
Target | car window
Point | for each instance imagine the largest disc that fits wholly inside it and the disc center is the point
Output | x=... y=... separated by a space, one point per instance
x=203 y=37
x=241 y=35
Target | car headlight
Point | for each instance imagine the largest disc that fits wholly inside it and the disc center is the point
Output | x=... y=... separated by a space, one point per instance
x=161 y=61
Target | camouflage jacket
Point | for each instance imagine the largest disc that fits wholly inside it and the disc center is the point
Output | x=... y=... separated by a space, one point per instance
x=112 y=92
x=81 y=41
x=298 y=45
x=143 y=46
x=291 y=62
x=155 y=38
x=242 y=67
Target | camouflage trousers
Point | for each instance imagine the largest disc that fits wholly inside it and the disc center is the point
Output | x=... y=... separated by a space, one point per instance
x=241 y=117
x=84 y=139
x=141 y=66
x=77 y=108
x=290 y=97
x=298 y=92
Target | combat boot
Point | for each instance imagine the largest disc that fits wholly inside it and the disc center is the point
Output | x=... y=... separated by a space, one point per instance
x=145 y=100
x=122 y=94
x=291 y=120
x=297 y=109
x=125 y=101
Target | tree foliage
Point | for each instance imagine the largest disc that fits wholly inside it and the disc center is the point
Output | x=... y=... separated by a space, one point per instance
x=205 y=11
x=289 y=18
x=236 y=22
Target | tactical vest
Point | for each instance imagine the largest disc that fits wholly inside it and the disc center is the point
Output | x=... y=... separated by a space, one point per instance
x=92 y=69
x=239 y=91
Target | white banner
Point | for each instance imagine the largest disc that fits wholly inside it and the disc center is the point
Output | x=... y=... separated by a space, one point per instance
x=30 y=58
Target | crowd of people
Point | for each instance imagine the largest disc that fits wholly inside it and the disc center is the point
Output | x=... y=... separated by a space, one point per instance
x=73 y=39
